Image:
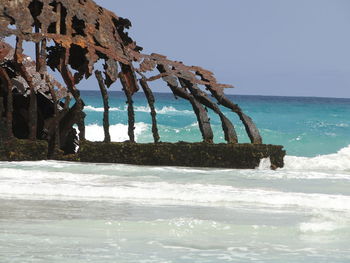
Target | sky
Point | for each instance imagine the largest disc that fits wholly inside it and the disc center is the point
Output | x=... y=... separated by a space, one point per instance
x=262 y=47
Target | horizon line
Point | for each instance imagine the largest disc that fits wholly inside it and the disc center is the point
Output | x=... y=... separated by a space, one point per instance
x=252 y=95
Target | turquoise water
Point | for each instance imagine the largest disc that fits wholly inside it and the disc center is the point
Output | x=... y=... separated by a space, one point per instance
x=71 y=212
x=305 y=126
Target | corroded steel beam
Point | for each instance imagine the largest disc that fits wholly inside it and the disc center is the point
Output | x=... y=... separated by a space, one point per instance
x=9 y=104
x=131 y=113
x=150 y=98
x=251 y=129
x=53 y=130
x=33 y=105
x=104 y=94
x=202 y=97
x=201 y=113
x=199 y=110
x=71 y=36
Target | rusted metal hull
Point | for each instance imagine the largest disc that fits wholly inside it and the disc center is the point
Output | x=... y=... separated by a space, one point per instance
x=70 y=37
x=233 y=156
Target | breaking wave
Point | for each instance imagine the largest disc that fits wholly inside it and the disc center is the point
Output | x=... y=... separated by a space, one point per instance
x=339 y=161
x=37 y=184
x=100 y=109
x=118 y=132
x=164 y=110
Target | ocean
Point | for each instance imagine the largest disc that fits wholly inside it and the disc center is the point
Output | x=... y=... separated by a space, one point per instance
x=71 y=212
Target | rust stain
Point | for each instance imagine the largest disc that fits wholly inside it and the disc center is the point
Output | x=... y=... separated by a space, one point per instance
x=71 y=36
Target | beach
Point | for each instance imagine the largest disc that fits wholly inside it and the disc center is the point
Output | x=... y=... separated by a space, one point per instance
x=85 y=212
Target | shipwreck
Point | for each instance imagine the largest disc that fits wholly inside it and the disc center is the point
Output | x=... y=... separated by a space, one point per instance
x=38 y=113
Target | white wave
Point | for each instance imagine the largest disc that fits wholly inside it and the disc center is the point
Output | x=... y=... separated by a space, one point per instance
x=265 y=164
x=118 y=132
x=314 y=227
x=267 y=174
x=164 y=110
x=296 y=172
x=141 y=109
x=100 y=109
x=167 y=110
x=343 y=125
x=36 y=184
x=339 y=161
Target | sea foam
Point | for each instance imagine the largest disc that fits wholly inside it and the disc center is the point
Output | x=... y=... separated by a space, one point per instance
x=40 y=185
x=339 y=161
x=100 y=109
x=314 y=227
x=164 y=110
x=118 y=132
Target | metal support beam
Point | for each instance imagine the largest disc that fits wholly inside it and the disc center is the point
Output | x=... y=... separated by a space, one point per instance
x=150 y=98
x=129 y=101
x=33 y=106
x=199 y=110
x=9 y=103
x=70 y=82
x=202 y=97
x=250 y=127
x=104 y=95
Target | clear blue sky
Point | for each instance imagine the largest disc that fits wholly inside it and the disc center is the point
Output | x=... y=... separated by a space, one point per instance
x=262 y=47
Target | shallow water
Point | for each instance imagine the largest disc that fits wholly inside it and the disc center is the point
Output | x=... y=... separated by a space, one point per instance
x=65 y=212
x=71 y=212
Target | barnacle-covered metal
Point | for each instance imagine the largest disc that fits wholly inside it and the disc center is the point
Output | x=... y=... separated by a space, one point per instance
x=70 y=36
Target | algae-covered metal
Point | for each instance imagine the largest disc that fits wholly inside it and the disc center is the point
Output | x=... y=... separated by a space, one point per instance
x=71 y=36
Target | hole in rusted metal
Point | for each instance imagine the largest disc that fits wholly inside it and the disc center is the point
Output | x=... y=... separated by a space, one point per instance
x=36 y=8
x=97 y=25
x=54 y=55
x=77 y=57
x=52 y=28
x=54 y=5
x=12 y=26
x=78 y=26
